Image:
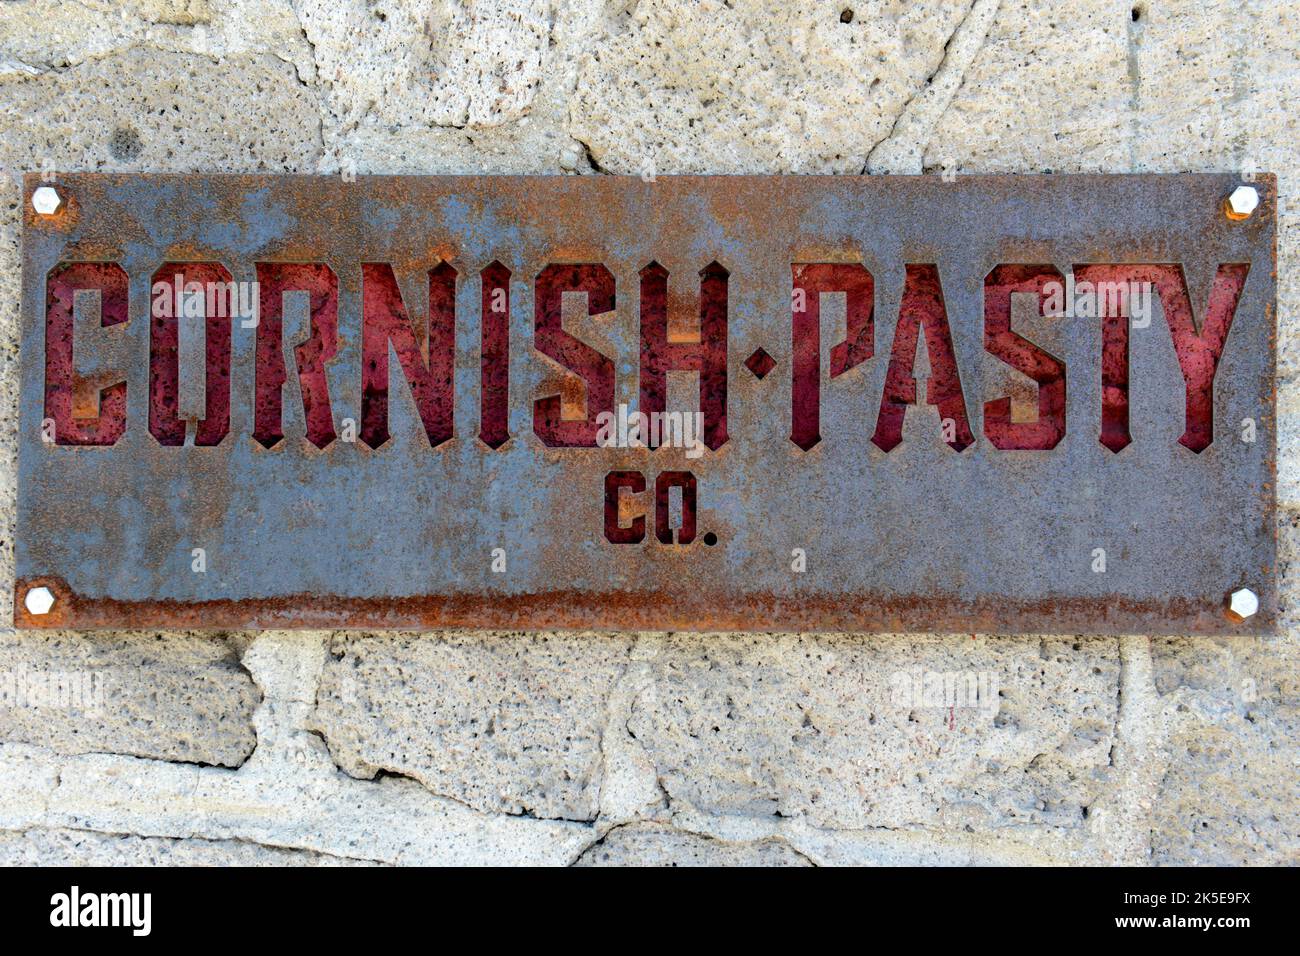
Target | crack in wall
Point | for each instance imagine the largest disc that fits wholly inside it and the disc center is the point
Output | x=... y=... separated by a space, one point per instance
x=902 y=150
x=1135 y=29
x=669 y=830
x=591 y=157
x=198 y=838
x=1120 y=822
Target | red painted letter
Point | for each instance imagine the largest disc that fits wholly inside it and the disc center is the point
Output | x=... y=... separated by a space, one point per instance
x=549 y=337
x=663 y=530
x=494 y=347
x=706 y=355
x=1198 y=353
x=810 y=280
x=61 y=286
x=1025 y=357
x=428 y=368
x=615 y=532
x=274 y=279
x=922 y=308
x=204 y=287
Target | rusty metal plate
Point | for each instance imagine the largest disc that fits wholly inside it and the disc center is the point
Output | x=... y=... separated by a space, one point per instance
x=1031 y=404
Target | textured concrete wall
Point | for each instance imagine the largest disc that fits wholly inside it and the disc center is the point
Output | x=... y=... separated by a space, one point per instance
x=328 y=748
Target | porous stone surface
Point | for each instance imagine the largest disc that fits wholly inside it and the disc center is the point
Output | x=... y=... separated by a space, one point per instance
x=168 y=696
x=1230 y=782
x=648 y=845
x=815 y=727
x=40 y=847
x=747 y=85
x=429 y=64
x=472 y=747
x=508 y=723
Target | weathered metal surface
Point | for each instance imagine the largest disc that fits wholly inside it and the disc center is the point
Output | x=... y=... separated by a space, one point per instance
x=452 y=488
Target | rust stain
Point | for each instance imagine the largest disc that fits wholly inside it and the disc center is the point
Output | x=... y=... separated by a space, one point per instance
x=638 y=611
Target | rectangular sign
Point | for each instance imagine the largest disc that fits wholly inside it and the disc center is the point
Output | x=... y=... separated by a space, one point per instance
x=1009 y=403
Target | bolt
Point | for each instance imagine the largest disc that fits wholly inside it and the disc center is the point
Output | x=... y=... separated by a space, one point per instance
x=46 y=199
x=1241 y=203
x=39 y=600
x=1242 y=603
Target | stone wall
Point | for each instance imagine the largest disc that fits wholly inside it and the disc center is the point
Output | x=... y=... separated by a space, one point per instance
x=472 y=747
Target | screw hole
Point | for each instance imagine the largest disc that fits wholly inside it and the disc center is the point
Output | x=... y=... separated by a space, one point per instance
x=710 y=539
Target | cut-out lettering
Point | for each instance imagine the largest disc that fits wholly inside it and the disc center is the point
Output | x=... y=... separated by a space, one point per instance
x=1198 y=352
x=666 y=481
x=550 y=338
x=318 y=280
x=922 y=308
x=706 y=355
x=428 y=368
x=1025 y=357
x=811 y=279
x=615 y=531
x=200 y=287
x=494 y=347
x=62 y=284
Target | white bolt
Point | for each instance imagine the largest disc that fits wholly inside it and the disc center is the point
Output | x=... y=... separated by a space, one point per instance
x=39 y=600
x=1242 y=202
x=46 y=200
x=1242 y=603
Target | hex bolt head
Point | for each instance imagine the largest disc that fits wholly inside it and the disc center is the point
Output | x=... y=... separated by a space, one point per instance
x=46 y=200
x=1242 y=603
x=1241 y=203
x=39 y=600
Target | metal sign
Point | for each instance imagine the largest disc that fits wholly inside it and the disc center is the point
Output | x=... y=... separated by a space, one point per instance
x=1032 y=404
